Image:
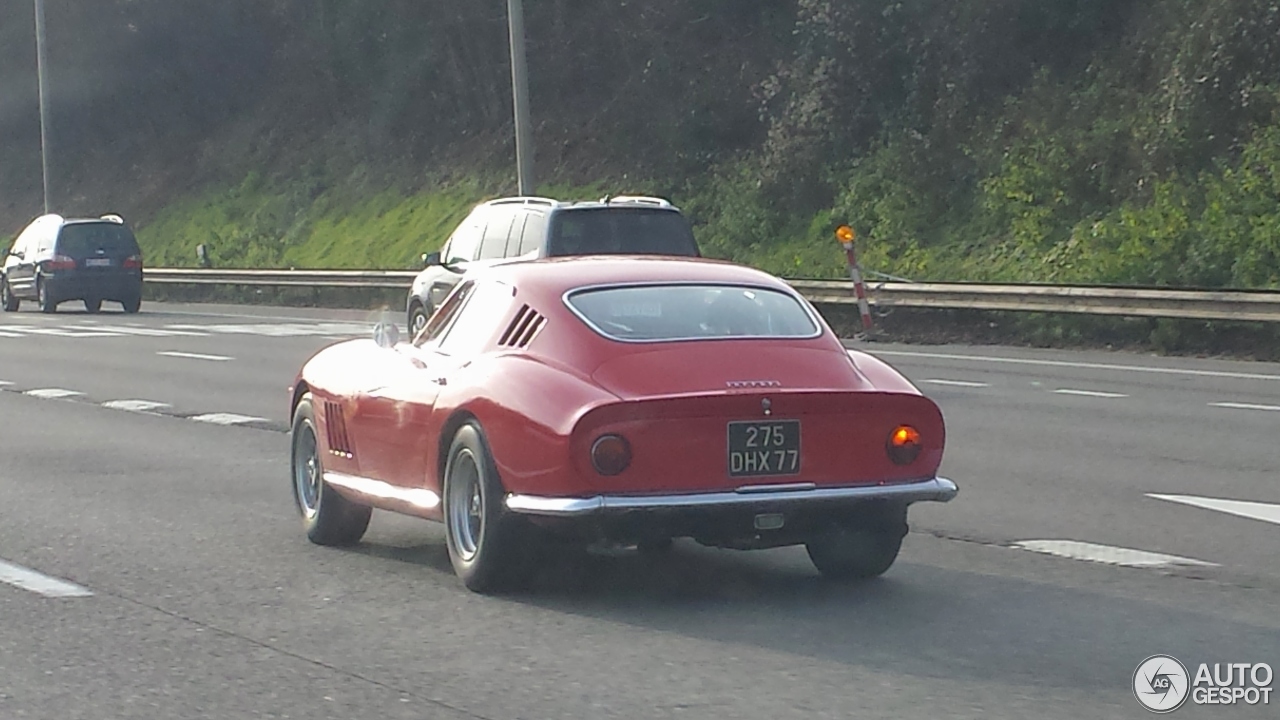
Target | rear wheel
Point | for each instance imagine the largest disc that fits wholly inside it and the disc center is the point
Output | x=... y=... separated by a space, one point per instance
x=44 y=299
x=132 y=304
x=92 y=305
x=10 y=301
x=860 y=548
x=329 y=518
x=483 y=539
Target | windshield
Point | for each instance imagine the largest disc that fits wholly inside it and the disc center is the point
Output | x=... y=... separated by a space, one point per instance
x=621 y=231
x=84 y=239
x=692 y=312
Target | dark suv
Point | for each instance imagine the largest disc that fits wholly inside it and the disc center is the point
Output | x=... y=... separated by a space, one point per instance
x=57 y=259
x=532 y=227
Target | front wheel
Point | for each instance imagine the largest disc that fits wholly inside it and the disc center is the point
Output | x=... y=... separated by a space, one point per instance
x=329 y=518
x=480 y=534
x=10 y=301
x=417 y=320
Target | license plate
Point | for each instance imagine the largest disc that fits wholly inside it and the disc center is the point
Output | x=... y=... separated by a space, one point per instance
x=764 y=448
x=98 y=262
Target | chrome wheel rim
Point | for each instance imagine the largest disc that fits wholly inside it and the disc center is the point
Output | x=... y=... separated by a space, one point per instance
x=466 y=505
x=306 y=471
x=419 y=322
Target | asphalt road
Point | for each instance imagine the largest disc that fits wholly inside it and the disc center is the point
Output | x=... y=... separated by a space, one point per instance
x=196 y=595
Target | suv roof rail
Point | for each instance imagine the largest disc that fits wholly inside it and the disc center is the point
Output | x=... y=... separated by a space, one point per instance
x=113 y=217
x=524 y=200
x=636 y=199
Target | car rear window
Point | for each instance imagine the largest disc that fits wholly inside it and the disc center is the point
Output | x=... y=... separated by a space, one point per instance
x=81 y=240
x=621 y=231
x=692 y=312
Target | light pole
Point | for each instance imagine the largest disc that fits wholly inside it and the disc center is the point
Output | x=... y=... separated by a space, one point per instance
x=520 y=95
x=42 y=67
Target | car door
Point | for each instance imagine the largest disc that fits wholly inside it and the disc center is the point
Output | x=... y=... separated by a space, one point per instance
x=391 y=413
x=23 y=272
x=396 y=419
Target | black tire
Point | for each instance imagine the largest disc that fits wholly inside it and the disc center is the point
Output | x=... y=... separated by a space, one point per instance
x=329 y=518
x=861 y=549
x=10 y=301
x=132 y=305
x=92 y=305
x=417 y=319
x=483 y=539
x=46 y=303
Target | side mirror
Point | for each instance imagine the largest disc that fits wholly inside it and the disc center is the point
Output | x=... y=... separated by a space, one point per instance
x=431 y=259
x=16 y=253
x=386 y=334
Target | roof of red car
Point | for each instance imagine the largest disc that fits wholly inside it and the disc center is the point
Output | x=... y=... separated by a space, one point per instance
x=562 y=274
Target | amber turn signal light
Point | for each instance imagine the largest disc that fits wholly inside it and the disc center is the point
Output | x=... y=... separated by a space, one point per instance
x=904 y=445
x=610 y=454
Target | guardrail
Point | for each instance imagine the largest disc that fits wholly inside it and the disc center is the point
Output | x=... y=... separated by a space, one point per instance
x=1238 y=305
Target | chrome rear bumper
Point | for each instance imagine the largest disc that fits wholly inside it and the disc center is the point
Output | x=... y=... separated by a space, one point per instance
x=793 y=496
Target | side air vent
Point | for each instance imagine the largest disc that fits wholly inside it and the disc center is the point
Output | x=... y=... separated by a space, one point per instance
x=336 y=430
x=523 y=328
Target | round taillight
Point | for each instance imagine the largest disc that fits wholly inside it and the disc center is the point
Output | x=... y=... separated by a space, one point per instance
x=904 y=445
x=610 y=454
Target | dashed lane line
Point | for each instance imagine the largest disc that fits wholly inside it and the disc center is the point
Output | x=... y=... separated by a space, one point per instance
x=228 y=419
x=39 y=583
x=1266 y=512
x=195 y=356
x=53 y=393
x=1089 y=393
x=1107 y=554
x=1245 y=406
x=138 y=406
x=958 y=383
x=1079 y=365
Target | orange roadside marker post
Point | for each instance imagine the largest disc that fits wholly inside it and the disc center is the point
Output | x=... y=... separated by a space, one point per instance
x=846 y=236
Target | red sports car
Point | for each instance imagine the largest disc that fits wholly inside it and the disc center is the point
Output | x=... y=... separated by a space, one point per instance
x=622 y=400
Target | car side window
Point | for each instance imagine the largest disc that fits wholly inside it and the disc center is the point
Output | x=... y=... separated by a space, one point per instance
x=478 y=321
x=494 y=246
x=444 y=315
x=465 y=243
x=535 y=233
x=517 y=231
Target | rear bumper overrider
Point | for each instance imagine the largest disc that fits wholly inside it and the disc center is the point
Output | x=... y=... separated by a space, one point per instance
x=794 y=496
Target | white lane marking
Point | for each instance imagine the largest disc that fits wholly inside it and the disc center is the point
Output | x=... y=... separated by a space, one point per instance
x=282 y=329
x=1106 y=554
x=195 y=356
x=5 y=383
x=1080 y=365
x=1245 y=406
x=149 y=332
x=5 y=333
x=1266 y=512
x=139 y=406
x=1089 y=393
x=53 y=393
x=228 y=419
x=39 y=583
x=959 y=383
